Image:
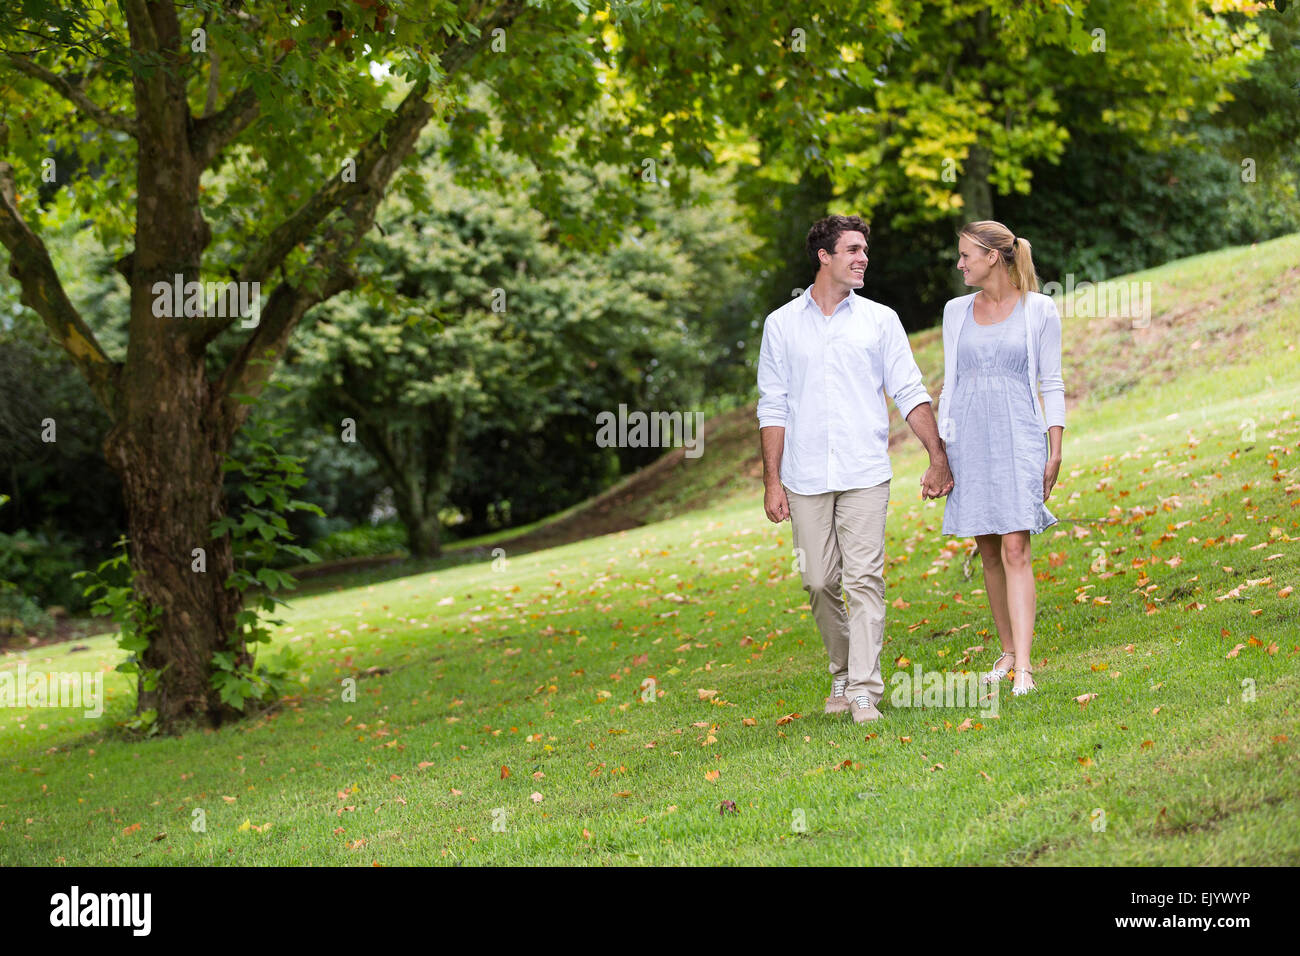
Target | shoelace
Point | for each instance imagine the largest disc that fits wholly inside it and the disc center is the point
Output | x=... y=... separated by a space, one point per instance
x=863 y=701
x=837 y=687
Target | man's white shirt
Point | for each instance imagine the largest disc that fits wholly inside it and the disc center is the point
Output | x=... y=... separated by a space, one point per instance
x=821 y=378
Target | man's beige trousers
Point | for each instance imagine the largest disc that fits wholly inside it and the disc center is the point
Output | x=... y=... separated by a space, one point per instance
x=839 y=539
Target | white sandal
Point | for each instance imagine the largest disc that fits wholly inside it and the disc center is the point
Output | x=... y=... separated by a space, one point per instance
x=1020 y=690
x=999 y=674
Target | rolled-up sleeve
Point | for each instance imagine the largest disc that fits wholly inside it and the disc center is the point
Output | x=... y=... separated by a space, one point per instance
x=773 y=375
x=902 y=377
x=1049 y=368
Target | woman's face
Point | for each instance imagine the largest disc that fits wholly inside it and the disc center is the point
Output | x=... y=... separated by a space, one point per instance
x=974 y=262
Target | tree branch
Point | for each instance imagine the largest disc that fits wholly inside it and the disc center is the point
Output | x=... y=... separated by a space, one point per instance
x=73 y=94
x=375 y=162
x=253 y=365
x=29 y=263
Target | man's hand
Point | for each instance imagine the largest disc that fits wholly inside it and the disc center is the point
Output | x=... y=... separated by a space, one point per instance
x=775 y=504
x=937 y=480
x=1049 y=476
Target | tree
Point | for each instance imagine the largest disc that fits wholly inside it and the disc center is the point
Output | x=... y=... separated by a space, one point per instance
x=251 y=143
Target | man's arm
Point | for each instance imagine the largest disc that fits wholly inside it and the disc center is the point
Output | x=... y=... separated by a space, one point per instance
x=773 y=385
x=937 y=480
x=775 y=502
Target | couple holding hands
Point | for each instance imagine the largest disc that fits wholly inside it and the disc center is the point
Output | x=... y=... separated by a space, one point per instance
x=994 y=452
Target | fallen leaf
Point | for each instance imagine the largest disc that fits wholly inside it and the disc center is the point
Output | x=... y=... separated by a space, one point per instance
x=1236 y=650
x=749 y=722
x=535 y=797
x=1083 y=699
x=505 y=771
x=727 y=806
x=781 y=721
x=964 y=725
x=706 y=694
x=712 y=775
x=135 y=828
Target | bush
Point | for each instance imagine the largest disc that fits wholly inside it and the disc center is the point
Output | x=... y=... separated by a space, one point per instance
x=40 y=565
x=362 y=541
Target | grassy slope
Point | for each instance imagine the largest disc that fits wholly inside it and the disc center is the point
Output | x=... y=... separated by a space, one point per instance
x=538 y=668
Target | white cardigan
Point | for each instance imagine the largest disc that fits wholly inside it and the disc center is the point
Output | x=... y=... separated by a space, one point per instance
x=1043 y=341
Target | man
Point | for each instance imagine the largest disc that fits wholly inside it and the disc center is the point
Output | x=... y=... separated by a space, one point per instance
x=825 y=433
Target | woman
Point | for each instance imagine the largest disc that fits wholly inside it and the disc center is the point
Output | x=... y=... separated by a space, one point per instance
x=1001 y=344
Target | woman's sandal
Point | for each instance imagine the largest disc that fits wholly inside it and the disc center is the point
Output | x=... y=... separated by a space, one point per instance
x=999 y=673
x=1020 y=690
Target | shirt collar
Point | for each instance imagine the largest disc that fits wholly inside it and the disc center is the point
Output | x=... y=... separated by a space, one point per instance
x=810 y=303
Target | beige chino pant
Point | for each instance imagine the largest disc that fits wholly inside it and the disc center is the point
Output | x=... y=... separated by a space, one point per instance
x=839 y=538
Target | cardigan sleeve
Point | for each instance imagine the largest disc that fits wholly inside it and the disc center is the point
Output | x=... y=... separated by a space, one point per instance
x=1049 y=367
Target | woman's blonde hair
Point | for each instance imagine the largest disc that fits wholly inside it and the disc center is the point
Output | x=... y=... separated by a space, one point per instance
x=1015 y=252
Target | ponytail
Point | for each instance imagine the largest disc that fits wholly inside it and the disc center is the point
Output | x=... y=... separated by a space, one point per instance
x=1021 y=266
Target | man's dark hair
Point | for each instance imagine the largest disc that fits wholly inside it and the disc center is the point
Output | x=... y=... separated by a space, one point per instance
x=826 y=232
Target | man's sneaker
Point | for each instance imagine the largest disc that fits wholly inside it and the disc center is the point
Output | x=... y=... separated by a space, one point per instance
x=837 y=703
x=863 y=710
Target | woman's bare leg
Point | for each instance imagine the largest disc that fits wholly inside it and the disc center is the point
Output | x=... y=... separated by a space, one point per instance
x=995 y=586
x=1017 y=565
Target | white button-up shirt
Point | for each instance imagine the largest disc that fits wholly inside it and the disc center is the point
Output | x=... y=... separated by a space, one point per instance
x=821 y=378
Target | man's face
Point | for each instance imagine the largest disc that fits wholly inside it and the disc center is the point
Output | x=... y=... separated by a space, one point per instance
x=849 y=263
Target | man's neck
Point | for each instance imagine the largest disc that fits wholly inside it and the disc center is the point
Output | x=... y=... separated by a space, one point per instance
x=829 y=295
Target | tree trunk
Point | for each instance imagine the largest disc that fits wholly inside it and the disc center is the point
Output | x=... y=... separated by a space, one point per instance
x=169 y=437
x=976 y=193
x=170 y=464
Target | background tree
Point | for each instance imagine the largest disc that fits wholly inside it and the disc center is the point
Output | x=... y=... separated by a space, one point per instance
x=308 y=110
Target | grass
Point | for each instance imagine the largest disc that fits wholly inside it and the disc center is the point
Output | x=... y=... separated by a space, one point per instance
x=1188 y=749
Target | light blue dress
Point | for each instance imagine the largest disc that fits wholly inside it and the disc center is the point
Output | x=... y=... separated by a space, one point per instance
x=998 y=452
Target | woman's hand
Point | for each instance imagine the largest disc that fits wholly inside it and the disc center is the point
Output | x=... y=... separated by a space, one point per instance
x=1050 y=472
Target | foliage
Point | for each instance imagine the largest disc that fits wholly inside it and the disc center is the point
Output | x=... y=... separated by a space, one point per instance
x=361 y=541
x=260 y=534
x=114 y=581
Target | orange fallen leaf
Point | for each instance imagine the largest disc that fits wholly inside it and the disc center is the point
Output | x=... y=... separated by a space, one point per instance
x=781 y=721
x=964 y=725
x=1083 y=699
x=706 y=694
x=1147 y=743
x=1084 y=761
x=712 y=775
x=749 y=722
x=1285 y=592
x=1236 y=650
x=505 y=771
x=133 y=828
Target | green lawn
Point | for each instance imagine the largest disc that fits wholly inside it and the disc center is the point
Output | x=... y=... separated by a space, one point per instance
x=1187 y=754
